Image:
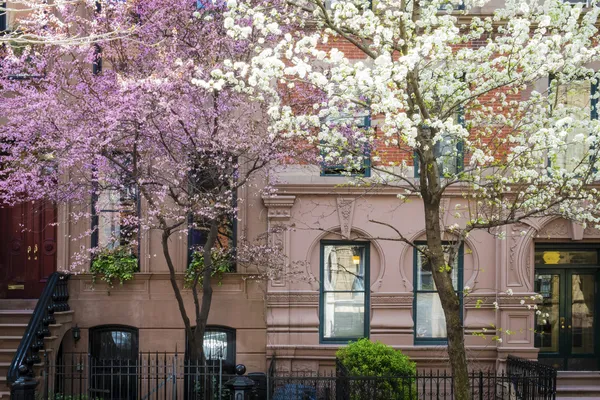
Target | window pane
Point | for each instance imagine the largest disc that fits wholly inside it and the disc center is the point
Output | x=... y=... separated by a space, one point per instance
x=346 y=154
x=115 y=225
x=344 y=268
x=425 y=276
x=582 y=313
x=547 y=328
x=215 y=345
x=344 y=315
x=109 y=230
x=575 y=96
x=552 y=257
x=446 y=154
x=431 y=322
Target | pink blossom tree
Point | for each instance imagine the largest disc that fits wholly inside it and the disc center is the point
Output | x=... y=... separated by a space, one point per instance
x=123 y=122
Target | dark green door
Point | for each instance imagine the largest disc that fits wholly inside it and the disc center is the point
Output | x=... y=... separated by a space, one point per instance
x=566 y=330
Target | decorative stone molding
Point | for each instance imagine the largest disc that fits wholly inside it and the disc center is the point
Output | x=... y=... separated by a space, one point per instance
x=279 y=207
x=515 y=275
x=559 y=228
x=279 y=212
x=345 y=207
x=590 y=230
x=287 y=298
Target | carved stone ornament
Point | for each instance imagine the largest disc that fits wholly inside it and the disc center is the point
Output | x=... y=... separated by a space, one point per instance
x=345 y=208
x=591 y=230
x=555 y=229
x=279 y=207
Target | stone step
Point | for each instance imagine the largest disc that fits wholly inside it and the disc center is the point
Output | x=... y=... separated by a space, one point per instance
x=12 y=342
x=6 y=355
x=578 y=384
x=18 y=304
x=4 y=384
x=12 y=329
x=15 y=316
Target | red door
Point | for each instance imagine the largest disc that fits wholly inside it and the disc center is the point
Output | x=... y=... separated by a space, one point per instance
x=27 y=249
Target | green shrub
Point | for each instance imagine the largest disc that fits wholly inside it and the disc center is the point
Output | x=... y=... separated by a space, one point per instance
x=114 y=264
x=375 y=359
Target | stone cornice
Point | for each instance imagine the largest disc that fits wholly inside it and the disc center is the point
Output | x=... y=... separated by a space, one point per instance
x=279 y=207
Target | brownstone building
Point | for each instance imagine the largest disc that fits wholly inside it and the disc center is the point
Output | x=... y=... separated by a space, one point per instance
x=346 y=286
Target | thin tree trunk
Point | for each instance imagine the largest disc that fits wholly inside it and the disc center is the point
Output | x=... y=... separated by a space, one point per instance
x=431 y=192
x=450 y=301
x=176 y=289
x=202 y=309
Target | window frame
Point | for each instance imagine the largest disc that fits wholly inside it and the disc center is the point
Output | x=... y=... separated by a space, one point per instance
x=422 y=341
x=232 y=242
x=95 y=220
x=126 y=374
x=460 y=152
x=231 y=333
x=367 y=290
x=96 y=330
x=340 y=168
x=594 y=103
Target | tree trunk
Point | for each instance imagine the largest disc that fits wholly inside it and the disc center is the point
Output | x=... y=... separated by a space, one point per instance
x=431 y=192
x=176 y=289
x=202 y=308
x=450 y=301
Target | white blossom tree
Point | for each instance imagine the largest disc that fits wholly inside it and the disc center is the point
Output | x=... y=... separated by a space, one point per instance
x=500 y=108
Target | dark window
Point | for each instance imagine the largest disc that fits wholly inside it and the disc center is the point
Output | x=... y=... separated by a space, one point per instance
x=219 y=351
x=219 y=346
x=430 y=322
x=448 y=151
x=344 y=153
x=204 y=180
x=226 y=240
x=115 y=211
x=344 y=305
x=3 y=26
x=114 y=359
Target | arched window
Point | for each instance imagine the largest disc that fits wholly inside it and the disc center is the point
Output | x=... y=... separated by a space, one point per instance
x=219 y=344
x=344 y=304
x=114 y=359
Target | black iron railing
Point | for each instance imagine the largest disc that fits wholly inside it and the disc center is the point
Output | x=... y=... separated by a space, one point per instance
x=538 y=379
x=149 y=376
x=525 y=382
x=53 y=299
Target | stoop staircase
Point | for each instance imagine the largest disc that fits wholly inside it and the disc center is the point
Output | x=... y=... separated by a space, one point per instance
x=15 y=316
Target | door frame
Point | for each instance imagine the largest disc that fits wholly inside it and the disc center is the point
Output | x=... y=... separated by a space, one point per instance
x=38 y=231
x=566 y=271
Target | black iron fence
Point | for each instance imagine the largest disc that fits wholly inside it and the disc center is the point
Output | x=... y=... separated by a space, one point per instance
x=164 y=376
x=523 y=380
x=151 y=376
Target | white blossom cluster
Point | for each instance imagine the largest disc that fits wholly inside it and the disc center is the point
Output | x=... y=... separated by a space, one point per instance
x=431 y=74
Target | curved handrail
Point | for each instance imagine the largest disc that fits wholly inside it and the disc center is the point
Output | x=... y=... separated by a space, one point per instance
x=53 y=298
